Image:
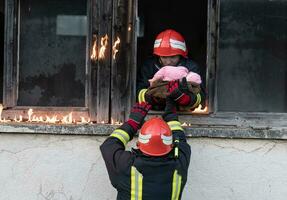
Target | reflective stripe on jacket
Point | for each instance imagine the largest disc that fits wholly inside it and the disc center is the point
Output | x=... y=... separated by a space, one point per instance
x=140 y=177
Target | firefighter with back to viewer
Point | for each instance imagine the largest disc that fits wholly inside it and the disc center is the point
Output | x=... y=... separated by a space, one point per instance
x=157 y=169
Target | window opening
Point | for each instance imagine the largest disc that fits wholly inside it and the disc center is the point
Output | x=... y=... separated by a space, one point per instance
x=190 y=21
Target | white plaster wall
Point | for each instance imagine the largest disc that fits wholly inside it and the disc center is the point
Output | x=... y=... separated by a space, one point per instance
x=49 y=167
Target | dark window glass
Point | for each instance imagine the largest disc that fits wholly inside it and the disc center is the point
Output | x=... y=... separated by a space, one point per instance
x=52 y=53
x=252 y=70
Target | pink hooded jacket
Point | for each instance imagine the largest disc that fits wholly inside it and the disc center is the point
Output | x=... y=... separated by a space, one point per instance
x=170 y=73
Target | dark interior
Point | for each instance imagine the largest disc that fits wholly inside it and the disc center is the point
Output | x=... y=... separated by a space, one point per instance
x=190 y=21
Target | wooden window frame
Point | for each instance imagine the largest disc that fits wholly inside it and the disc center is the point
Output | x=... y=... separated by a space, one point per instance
x=11 y=72
x=97 y=105
x=216 y=120
x=104 y=101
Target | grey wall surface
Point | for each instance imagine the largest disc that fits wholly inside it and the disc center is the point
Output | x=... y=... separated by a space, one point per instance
x=41 y=167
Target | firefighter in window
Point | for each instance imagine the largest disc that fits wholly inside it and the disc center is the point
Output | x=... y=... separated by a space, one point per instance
x=170 y=68
x=157 y=169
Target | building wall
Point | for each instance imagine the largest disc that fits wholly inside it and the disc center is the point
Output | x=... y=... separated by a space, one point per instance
x=38 y=167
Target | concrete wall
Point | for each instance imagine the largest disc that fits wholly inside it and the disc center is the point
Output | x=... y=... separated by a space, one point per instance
x=41 y=167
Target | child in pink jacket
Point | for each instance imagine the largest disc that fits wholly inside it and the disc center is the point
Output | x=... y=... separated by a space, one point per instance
x=170 y=73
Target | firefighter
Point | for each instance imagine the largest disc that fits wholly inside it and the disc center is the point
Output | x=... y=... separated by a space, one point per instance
x=169 y=50
x=157 y=169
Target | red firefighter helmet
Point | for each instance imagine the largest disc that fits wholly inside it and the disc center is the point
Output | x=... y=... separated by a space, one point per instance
x=169 y=43
x=155 y=137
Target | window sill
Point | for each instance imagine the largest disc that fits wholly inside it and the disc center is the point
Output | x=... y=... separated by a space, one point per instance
x=195 y=130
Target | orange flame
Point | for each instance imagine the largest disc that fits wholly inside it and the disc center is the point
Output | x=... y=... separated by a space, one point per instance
x=18 y=120
x=52 y=120
x=200 y=110
x=104 y=44
x=115 y=122
x=30 y=113
x=94 y=55
x=115 y=50
x=68 y=119
x=84 y=121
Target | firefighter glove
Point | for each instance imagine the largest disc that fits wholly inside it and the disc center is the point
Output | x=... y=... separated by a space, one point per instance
x=137 y=115
x=170 y=110
x=173 y=90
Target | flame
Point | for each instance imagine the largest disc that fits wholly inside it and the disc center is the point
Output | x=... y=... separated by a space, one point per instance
x=104 y=44
x=115 y=50
x=30 y=112
x=18 y=120
x=94 y=55
x=84 y=121
x=52 y=120
x=184 y=124
x=200 y=110
x=115 y=122
x=68 y=119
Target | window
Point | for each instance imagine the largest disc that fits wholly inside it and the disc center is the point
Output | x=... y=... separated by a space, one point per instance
x=48 y=64
x=240 y=46
x=52 y=53
x=252 y=64
x=190 y=21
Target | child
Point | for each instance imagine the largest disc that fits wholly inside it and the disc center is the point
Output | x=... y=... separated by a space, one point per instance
x=170 y=73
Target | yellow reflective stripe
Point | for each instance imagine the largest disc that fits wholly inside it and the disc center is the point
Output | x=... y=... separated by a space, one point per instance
x=176 y=185
x=141 y=95
x=175 y=126
x=136 y=184
x=121 y=135
x=198 y=100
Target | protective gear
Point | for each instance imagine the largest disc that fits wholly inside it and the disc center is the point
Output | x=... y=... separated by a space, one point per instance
x=151 y=66
x=158 y=89
x=170 y=110
x=147 y=95
x=169 y=43
x=155 y=137
x=137 y=115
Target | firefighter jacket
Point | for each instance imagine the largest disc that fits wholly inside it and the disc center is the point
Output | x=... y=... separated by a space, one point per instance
x=152 y=65
x=140 y=177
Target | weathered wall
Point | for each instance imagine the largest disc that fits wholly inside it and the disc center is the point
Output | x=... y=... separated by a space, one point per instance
x=38 y=167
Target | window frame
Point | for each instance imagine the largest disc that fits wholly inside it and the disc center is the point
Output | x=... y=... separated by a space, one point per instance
x=103 y=92
x=214 y=121
x=249 y=122
x=11 y=67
